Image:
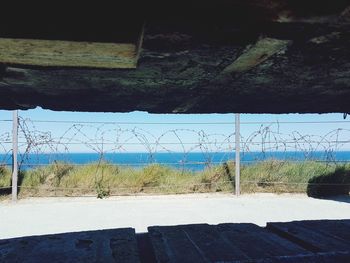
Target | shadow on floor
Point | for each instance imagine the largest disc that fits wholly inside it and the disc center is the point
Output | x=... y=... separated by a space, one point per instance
x=339 y=198
x=299 y=241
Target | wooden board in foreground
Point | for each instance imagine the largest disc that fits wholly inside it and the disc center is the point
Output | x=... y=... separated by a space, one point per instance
x=56 y=53
x=221 y=243
x=116 y=245
x=316 y=235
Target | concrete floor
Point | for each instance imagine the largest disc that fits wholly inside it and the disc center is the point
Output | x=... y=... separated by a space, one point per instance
x=39 y=216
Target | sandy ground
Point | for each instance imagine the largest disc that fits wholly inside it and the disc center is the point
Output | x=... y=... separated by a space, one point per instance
x=58 y=215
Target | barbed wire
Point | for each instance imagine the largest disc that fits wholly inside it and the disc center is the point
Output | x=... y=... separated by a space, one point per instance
x=184 y=149
x=109 y=137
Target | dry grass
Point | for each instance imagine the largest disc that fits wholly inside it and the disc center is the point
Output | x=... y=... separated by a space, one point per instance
x=282 y=177
x=104 y=179
x=5 y=177
x=5 y=182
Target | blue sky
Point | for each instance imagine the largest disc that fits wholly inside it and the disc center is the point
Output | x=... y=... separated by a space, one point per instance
x=167 y=136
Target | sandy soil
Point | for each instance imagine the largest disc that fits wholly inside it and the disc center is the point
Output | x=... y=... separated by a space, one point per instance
x=38 y=216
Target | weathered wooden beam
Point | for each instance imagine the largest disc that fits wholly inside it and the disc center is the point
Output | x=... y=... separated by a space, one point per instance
x=257 y=54
x=48 y=53
x=98 y=36
x=219 y=243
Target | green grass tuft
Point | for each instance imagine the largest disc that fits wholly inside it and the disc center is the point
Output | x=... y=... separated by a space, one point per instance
x=104 y=179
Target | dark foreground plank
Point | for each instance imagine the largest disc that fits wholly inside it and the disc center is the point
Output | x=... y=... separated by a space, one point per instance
x=330 y=257
x=317 y=235
x=221 y=243
x=117 y=245
x=338 y=229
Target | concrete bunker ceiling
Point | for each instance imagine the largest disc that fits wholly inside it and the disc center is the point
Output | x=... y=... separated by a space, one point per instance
x=255 y=56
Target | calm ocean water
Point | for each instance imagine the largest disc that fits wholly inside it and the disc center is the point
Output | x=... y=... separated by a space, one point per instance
x=192 y=161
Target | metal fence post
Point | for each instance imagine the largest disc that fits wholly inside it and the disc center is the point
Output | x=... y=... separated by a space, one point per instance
x=14 y=156
x=238 y=155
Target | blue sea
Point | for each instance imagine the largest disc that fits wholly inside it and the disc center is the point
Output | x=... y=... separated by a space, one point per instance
x=191 y=161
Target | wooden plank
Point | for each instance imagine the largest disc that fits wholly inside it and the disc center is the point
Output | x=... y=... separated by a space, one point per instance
x=257 y=54
x=118 y=245
x=213 y=247
x=171 y=244
x=257 y=242
x=329 y=257
x=68 y=53
x=222 y=243
x=338 y=229
x=320 y=237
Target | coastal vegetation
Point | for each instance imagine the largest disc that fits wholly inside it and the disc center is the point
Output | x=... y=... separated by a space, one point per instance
x=104 y=179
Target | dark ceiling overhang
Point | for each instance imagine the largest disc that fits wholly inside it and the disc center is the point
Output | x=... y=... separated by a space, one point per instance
x=254 y=56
